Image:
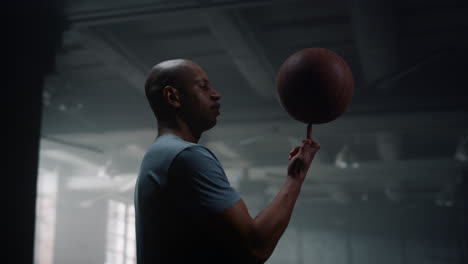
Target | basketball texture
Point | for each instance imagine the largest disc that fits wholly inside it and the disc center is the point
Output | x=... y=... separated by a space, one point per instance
x=315 y=85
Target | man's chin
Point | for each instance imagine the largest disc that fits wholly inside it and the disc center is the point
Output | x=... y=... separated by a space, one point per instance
x=211 y=124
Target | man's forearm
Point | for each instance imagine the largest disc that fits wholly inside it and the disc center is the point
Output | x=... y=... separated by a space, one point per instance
x=273 y=220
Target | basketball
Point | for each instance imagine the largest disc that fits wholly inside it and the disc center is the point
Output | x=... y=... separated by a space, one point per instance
x=315 y=85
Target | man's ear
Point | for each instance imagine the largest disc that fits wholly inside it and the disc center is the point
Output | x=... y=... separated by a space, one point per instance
x=172 y=96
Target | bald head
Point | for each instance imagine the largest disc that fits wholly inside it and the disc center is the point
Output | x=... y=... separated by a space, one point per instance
x=179 y=92
x=167 y=73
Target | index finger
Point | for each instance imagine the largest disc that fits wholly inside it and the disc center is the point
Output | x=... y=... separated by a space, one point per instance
x=309 y=131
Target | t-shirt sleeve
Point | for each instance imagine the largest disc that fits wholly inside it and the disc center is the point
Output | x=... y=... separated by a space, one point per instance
x=202 y=181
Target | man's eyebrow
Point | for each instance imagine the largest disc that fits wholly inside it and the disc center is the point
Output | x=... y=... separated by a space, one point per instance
x=202 y=81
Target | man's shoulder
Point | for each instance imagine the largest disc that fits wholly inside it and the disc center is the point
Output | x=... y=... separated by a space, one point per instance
x=162 y=152
x=196 y=154
x=169 y=144
x=167 y=148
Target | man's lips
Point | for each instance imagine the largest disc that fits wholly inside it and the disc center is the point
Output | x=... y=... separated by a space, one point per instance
x=216 y=107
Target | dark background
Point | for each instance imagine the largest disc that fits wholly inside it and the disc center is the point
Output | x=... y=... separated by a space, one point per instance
x=388 y=185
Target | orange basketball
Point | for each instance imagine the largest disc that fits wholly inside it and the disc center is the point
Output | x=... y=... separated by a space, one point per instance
x=315 y=85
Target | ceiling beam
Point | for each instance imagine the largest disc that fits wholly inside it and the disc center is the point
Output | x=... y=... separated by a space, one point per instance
x=100 y=16
x=420 y=122
x=373 y=176
x=115 y=57
x=236 y=37
x=375 y=30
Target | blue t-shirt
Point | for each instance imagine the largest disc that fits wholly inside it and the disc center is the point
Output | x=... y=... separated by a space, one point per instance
x=181 y=189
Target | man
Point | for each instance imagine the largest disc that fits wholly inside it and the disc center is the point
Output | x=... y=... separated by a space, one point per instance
x=186 y=211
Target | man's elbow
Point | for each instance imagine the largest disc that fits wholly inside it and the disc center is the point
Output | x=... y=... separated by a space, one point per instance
x=259 y=255
x=258 y=247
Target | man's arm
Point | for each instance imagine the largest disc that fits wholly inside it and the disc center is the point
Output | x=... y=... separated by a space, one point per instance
x=260 y=235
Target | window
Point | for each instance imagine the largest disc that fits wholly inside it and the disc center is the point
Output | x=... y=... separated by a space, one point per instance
x=121 y=243
x=45 y=216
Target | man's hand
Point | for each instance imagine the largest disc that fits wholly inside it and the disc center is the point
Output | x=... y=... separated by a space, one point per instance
x=300 y=159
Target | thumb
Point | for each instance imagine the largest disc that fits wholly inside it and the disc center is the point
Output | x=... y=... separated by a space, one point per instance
x=294 y=151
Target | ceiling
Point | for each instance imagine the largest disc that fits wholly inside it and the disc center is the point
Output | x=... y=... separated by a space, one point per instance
x=406 y=120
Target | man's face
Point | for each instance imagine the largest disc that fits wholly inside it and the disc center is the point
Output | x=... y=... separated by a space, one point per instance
x=199 y=101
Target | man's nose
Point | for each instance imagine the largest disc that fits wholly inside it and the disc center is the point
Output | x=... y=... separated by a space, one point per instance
x=215 y=95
